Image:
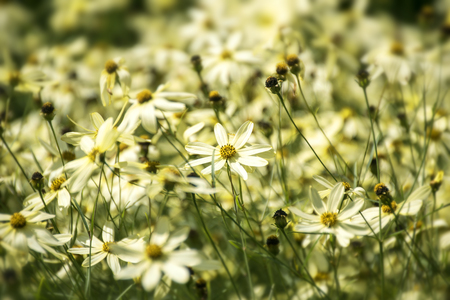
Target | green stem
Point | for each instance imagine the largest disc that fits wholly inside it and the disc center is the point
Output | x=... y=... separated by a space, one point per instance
x=17 y=162
x=304 y=138
x=373 y=134
x=214 y=246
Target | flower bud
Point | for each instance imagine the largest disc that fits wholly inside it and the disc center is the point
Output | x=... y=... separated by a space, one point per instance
x=48 y=111
x=383 y=193
x=273 y=84
x=37 y=181
x=437 y=181
x=273 y=244
x=216 y=100
x=196 y=61
x=201 y=287
x=296 y=66
x=280 y=219
x=362 y=78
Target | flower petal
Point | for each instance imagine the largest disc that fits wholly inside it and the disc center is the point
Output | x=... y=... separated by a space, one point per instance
x=242 y=135
x=221 y=135
x=152 y=277
x=161 y=232
x=316 y=201
x=176 y=272
x=335 y=197
x=252 y=161
x=200 y=148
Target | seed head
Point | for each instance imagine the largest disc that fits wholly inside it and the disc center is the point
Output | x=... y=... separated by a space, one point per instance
x=272 y=244
x=214 y=96
x=273 y=85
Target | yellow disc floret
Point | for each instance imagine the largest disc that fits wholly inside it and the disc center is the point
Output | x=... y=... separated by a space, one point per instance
x=389 y=209
x=347 y=186
x=328 y=219
x=153 y=251
x=144 y=96
x=56 y=184
x=106 y=247
x=18 y=221
x=111 y=66
x=227 y=151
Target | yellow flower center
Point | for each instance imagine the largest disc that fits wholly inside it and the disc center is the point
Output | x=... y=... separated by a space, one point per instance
x=152 y=166
x=18 y=221
x=68 y=156
x=111 y=66
x=106 y=246
x=346 y=186
x=328 y=219
x=321 y=276
x=387 y=209
x=153 y=251
x=227 y=151
x=56 y=184
x=144 y=96
x=397 y=48
x=93 y=154
x=226 y=54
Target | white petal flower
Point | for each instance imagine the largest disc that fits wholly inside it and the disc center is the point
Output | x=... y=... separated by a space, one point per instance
x=230 y=150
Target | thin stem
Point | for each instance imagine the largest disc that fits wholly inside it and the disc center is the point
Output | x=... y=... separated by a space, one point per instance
x=215 y=246
x=17 y=162
x=250 y=283
x=373 y=134
x=304 y=138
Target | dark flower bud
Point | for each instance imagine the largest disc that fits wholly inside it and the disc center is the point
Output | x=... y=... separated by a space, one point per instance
x=362 y=78
x=273 y=244
x=48 y=111
x=280 y=219
x=273 y=85
x=37 y=180
x=196 y=61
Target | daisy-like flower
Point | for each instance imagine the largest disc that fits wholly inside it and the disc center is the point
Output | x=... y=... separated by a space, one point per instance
x=126 y=130
x=409 y=207
x=147 y=106
x=114 y=72
x=353 y=192
x=109 y=249
x=329 y=218
x=160 y=256
x=24 y=230
x=57 y=191
x=226 y=64
x=231 y=150
x=84 y=167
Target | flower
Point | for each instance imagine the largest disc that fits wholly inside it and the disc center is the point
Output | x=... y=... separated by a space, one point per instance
x=108 y=249
x=114 y=72
x=147 y=106
x=24 y=230
x=85 y=166
x=231 y=150
x=330 y=218
x=409 y=207
x=160 y=256
x=57 y=190
x=353 y=192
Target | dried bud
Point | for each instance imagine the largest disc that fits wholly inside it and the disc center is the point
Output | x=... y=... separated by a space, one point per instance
x=280 y=219
x=273 y=85
x=196 y=61
x=273 y=244
x=383 y=193
x=362 y=78
x=48 y=111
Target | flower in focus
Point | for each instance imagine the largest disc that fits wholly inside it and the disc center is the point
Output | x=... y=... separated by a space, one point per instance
x=57 y=191
x=231 y=150
x=330 y=218
x=353 y=192
x=113 y=73
x=160 y=256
